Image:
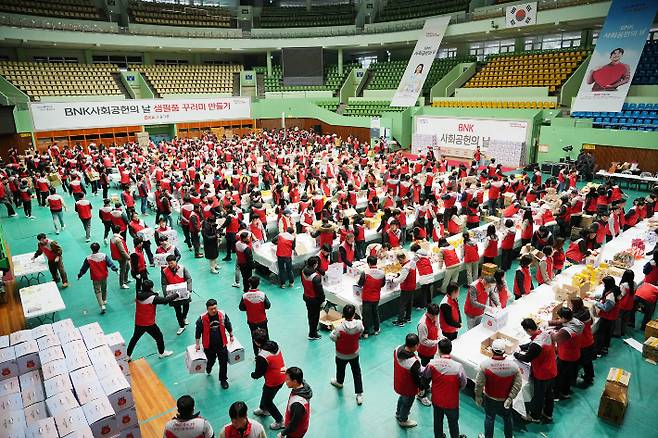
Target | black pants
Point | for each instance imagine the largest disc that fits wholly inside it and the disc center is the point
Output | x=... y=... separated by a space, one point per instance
x=359 y=249
x=105 y=188
x=221 y=355
x=42 y=198
x=246 y=272
x=79 y=195
x=230 y=245
x=370 y=310
x=487 y=259
x=506 y=257
x=313 y=306
x=10 y=208
x=253 y=328
x=107 y=225
x=542 y=398
x=423 y=296
x=186 y=233
x=181 y=308
x=453 y=421
x=404 y=311
x=153 y=331
x=585 y=362
x=646 y=308
x=267 y=402
x=603 y=334
x=196 y=242
x=451 y=336
x=144 y=275
x=341 y=364
x=566 y=373
x=27 y=208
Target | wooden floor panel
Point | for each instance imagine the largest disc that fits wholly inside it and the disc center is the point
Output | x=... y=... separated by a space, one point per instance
x=155 y=405
x=11 y=312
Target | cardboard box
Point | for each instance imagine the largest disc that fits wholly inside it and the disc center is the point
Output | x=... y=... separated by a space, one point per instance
x=10 y=386
x=118 y=391
x=20 y=336
x=650 y=349
x=78 y=360
x=575 y=233
x=48 y=341
x=131 y=433
x=44 y=428
x=100 y=354
x=54 y=368
x=127 y=419
x=117 y=345
x=42 y=330
x=71 y=421
x=32 y=395
x=27 y=356
x=488 y=269
x=4 y=341
x=36 y=412
x=11 y=402
x=494 y=318
x=74 y=347
x=235 y=352
x=586 y=221
x=8 y=364
x=90 y=329
x=124 y=367
x=61 y=403
x=33 y=378
x=330 y=319
x=94 y=340
x=61 y=325
x=180 y=289
x=651 y=329
x=614 y=399
x=565 y=292
x=57 y=384
x=101 y=417
x=195 y=361
x=512 y=344
x=84 y=432
x=50 y=354
x=12 y=425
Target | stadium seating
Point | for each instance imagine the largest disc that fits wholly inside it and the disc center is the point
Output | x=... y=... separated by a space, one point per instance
x=494 y=104
x=335 y=15
x=633 y=117
x=528 y=69
x=329 y=104
x=74 y=9
x=369 y=108
x=189 y=79
x=40 y=79
x=179 y=15
x=647 y=70
x=408 y=9
x=332 y=79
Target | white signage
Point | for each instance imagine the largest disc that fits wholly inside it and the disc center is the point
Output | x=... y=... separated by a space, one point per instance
x=420 y=62
x=82 y=115
x=523 y=14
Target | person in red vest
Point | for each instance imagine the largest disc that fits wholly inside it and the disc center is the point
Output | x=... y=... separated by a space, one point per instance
x=195 y=230
x=5 y=199
x=491 y=245
x=325 y=258
x=105 y=215
x=449 y=259
x=497 y=384
x=185 y=211
x=523 y=279
x=254 y=302
x=211 y=329
x=645 y=301
x=53 y=253
x=298 y=409
x=98 y=264
x=285 y=245
x=428 y=334
x=120 y=254
x=587 y=344
x=371 y=281
x=346 y=336
x=540 y=353
x=406 y=279
x=425 y=277
x=271 y=366
x=56 y=205
x=25 y=194
x=135 y=226
x=450 y=320
x=407 y=379
x=231 y=226
x=128 y=200
x=138 y=268
x=76 y=188
x=650 y=270
x=240 y=425
x=447 y=379
x=120 y=220
x=393 y=234
x=567 y=336
x=313 y=295
x=501 y=288
x=545 y=271
x=626 y=299
x=145 y=308
x=471 y=258
x=527 y=227
x=83 y=207
x=481 y=294
x=245 y=258
x=175 y=273
x=346 y=252
x=608 y=310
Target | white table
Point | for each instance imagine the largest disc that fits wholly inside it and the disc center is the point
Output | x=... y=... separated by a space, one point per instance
x=27 y=269
x=629 y=178
x=41 y=301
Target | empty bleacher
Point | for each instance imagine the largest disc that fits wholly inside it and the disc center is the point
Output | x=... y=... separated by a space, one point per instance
x=369 y=108
x=38 y=80
x=178 y=15
x=328 y=104
x=332 y=79
x=529 y=69
x=504 y=104
x=395 y=10
x=647 y=69
x=317 y=16
x=189 y=79
x=633 y=117
x=74 y=9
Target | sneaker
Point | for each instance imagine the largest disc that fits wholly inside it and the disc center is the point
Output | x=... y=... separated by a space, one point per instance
x=56 y=231
x=365 y=336
x=314 y=337
x=65 y=285
x=31 y=217
x=377 y=332
x=224 y=384
x=87 y=239
x=407 y=424
x=185 y=322
x=103 y=309
x=235 y=285
x=214 y=271
x=105 y=241
x=63 y=227
x=531 y=419
x=261 y=412
x=180 y=330
x=398 y=323
x=335 y=383
x=359 y=399
x=13 y=215
x=125 y=286
x=165 y=353
x=277 y=425
x=546 y=419
x=152 y=265
x=424 y=401
x=560 y=397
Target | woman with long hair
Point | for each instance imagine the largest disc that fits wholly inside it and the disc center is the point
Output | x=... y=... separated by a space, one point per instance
x=608 y=310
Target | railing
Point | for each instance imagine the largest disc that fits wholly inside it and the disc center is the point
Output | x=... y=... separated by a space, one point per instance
x=52 y=23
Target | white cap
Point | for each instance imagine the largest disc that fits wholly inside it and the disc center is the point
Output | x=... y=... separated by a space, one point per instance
x=499 y=345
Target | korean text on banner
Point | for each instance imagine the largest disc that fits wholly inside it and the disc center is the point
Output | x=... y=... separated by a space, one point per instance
x=523 y=14
x=82 y=115
x=420 y=62
x=615 y=58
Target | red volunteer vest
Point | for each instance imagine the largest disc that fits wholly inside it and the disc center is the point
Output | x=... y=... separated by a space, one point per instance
x=403 y=383
x=432 y=334
x=454 y=310
x=97 y=266
x=482 y=298
x=254 y=302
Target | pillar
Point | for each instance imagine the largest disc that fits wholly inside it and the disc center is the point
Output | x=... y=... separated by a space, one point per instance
x=308 y=5
x=269 y=62
x=340 y=62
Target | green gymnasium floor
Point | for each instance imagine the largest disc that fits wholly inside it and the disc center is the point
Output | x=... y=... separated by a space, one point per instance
x=334 y=412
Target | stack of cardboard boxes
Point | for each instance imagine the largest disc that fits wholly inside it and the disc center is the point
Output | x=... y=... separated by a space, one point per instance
x=614 y=399
x=57 y=380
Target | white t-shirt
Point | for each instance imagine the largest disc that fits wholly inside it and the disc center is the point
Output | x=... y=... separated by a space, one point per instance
x=193 y=428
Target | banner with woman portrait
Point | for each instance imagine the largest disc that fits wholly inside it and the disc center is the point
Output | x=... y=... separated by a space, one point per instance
x=615 y=58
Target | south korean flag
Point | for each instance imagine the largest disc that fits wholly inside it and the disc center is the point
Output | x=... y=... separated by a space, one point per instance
x=523 y=14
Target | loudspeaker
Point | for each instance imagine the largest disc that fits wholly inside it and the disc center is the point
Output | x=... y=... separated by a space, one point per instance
x=317 y=129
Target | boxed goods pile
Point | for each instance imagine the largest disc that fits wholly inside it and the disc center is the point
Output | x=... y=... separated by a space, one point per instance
x=623 y=259
x=614 y=399
x=512 y=344
x=650 y=349
x=329 y=319
x=494 y=318
x=586 y=221
x=651 y=329
x=565 y=292
x=489 y=269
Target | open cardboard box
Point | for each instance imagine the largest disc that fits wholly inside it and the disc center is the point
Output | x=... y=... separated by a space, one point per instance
x=614 y=399
x=651 y=329
x=512 y=344
x=329 y=320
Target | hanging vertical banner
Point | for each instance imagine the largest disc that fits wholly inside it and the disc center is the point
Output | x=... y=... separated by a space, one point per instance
x=616 y=55
x=524 y=14
x=420 y=62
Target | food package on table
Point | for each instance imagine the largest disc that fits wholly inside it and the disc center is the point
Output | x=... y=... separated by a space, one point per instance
x=512 y=344
x=349 y=212
x=334 y=273
x=638 y=243
x=304 y=244
x=623 y=260
x=614 y=399
x=650 y=349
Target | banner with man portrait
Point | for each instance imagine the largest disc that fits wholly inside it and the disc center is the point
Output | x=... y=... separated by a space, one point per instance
x=615 y=58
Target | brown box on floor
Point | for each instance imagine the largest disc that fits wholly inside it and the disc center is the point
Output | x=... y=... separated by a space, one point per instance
x=329 y=320
x=614 y=399
x=489 y=269
x=650 y=349
x=586 y=221
x=651 y=329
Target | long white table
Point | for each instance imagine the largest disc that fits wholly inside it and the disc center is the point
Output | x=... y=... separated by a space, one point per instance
x=629 y=178
x=27 y=269
x=466 y=348
x=41 y=301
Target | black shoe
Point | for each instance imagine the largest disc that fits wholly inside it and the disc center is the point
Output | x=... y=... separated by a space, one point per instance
x=226 y=259
x=546 y=419
x=314 y=337
x=560 y=397
x=224 y=384
x=398 y=323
